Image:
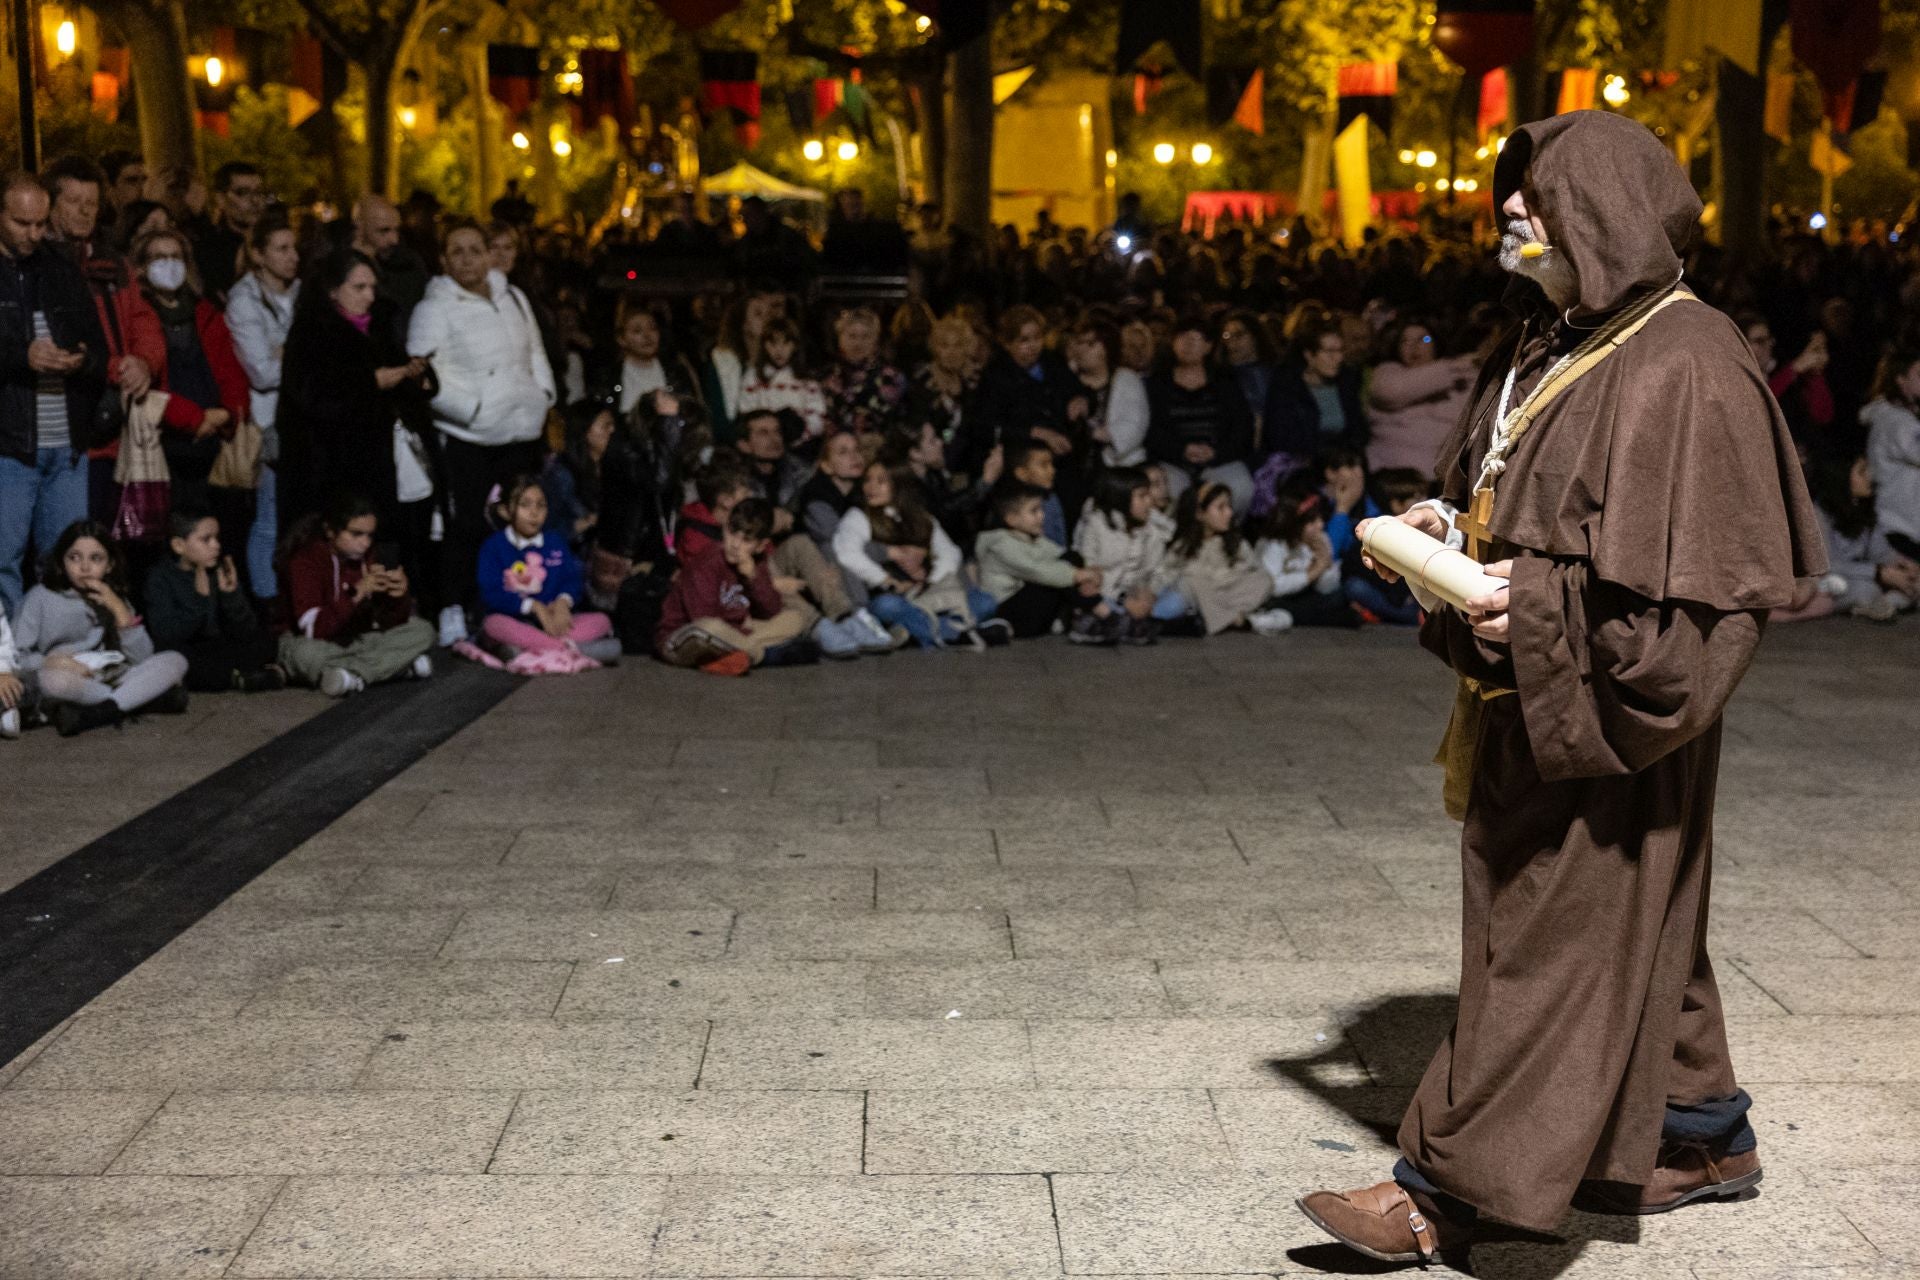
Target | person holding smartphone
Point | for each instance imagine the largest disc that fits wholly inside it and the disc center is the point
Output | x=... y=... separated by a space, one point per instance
x=53 y=373
x=352 y=613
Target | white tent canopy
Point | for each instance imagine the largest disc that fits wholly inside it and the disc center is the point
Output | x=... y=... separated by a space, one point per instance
x=744 y=180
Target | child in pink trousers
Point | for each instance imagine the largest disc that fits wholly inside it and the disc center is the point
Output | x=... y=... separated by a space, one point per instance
x=529 y=582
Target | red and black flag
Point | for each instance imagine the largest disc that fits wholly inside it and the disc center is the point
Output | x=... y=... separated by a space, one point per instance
x=1145 y=23
x=730 y=83
x=513 y=77
x=1835 y=39
x=1483 y=34
x=606 y=87
x=1237 y=95
x=961 y=22
x=318 y=78
x=1367 y=89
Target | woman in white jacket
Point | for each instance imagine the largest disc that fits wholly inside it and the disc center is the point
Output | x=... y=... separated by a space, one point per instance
x=909 y=565
x=495 y=388
x=259 y=315
x=1117 y=396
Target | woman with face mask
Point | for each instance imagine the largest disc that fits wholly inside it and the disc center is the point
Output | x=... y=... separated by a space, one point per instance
x=207 y=388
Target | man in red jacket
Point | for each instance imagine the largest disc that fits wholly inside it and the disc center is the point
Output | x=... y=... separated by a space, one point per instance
x=726 y=610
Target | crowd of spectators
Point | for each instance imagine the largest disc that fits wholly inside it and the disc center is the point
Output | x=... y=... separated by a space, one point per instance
x=241 y=448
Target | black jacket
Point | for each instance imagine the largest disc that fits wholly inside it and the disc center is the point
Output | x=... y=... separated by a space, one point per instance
x=1292 y=424
x=335 y=423
x=46 y=280
x=1216 y=415
x=1012 y=402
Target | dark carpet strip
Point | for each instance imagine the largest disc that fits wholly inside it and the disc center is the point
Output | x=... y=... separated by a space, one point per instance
x=82 y=924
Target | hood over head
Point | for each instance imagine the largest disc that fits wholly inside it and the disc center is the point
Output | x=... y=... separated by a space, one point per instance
x=1614 y=200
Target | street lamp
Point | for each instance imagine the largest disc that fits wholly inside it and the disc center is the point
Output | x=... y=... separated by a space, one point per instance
x=66 y=39
x=1615 y=92
x=1202 y=153
x=215 y=71
x=849 y=150
x=1425 y=158
x=814 y=150
x=1406 y=157
x=521 y=142
x=1163 y=152
x=408 y=117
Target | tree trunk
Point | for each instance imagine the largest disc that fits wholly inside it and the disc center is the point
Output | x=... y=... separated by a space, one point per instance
x=969 y=160
x=386 y=54
x=156 y=34
x=1316 y=162
x=933 y=139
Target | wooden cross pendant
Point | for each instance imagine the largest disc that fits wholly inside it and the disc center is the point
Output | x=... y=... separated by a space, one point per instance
x=1476 y=523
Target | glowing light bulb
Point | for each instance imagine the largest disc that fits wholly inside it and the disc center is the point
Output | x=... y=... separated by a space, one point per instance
x=1202 y=153
x=1444 y=184
x=849 y=151
x=216 y=71
x=1113 y=158
x=1406 y=157
x=1615 y=92
x=408 y=117
x=923 y=24
x=1425 y=159
x=66 y=39
x=520 y=140
x=813 y=149
x=1163 y=152
x=562 y=148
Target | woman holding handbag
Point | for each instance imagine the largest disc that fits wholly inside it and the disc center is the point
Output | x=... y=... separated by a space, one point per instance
x=208 y=396
x=260 y=314
x=347 y=395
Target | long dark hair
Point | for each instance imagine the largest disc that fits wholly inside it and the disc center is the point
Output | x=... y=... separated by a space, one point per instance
x=329 y=273
x=1113 y=491
x=1297 y=505
x=577 y=457
x=53 y=573
x=1830 y=480
x=910 y=526
x=1189 y=534
x=342 y=509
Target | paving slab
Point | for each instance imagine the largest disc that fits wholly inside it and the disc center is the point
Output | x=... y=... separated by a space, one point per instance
x=55 y=1131
x=816 y=1132
x=867 y=1053
x=54 y=1228
x=538 y=1055
x=1042 y=1131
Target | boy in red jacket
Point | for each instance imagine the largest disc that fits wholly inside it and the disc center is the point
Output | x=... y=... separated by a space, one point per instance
x=353 y=622
x=726 y=609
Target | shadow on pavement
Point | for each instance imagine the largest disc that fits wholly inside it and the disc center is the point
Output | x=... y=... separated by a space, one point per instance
x=1388 y=1030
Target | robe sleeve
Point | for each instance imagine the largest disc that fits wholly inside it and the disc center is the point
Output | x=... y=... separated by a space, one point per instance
x=1611 y=681
x=1448 y=636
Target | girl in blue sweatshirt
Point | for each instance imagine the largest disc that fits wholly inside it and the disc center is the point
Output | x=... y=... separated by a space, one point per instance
x=530 y=581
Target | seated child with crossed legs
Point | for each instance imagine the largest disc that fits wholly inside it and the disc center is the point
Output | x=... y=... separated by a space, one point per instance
x=529 y=581
x=727 y=612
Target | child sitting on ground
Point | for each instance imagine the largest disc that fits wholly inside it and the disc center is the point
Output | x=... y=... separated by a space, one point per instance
x=1374 y=599
x=195 y=607
x=1865 y=575
x=353 y=618
x=1033 y=580
x=1304 y=576
x=530 y=581
x=726 y=613
x=908 y=564
x=1122 y=535
x=1031 y=463
x=717 y=486
x=16 y=700
x=89 y=653
x=1215 y=571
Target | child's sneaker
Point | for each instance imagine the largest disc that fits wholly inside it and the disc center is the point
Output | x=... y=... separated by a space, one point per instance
x=453 y=626
x=997 y=632
x=338 y=682
x=1142 y=631
x=10 y=723
x=1271 y=622
x=837 y=640
x=265 y=680
x=1088 y=629
x=873 y=637
x=422 y=668
x=733 y=664
x=798 y=652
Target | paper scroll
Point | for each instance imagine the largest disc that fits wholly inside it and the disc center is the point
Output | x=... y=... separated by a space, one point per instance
x=1432 y=567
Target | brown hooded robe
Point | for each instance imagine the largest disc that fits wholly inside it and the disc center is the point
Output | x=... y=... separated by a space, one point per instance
x=1654 y=512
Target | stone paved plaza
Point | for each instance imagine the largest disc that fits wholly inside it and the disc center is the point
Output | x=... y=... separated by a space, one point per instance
x=1035 y=963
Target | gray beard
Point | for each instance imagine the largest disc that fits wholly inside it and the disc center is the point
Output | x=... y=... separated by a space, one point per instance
x=1551 y=270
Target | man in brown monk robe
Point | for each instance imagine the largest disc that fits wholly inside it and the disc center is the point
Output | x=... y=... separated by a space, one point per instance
x=1622 y=464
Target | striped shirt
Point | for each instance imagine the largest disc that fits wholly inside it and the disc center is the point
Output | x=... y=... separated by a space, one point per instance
x=50 y=398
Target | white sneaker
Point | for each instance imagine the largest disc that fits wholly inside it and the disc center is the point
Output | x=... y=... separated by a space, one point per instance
x=453 y=626
x=873 y=637
x=10 y=723
x=422 y=668
x=1271 y=622
x=338 y=682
